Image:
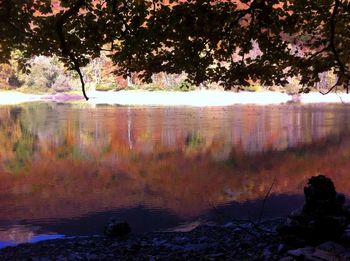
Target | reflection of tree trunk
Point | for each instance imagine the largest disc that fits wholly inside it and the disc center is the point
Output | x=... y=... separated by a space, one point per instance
x=129 y=128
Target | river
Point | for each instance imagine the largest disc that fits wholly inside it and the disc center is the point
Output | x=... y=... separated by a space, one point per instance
x=66 y=169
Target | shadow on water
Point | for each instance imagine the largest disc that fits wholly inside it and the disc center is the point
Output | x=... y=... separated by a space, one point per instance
x=143 y=220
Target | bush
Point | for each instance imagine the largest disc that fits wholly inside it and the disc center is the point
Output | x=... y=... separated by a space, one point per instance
x=46 y=74
x=62 y=84
x=106 y=87
x=14 y=82
x=253 y=88
x=153 y=87
x=184 y=86
x=292 y=88
x=275 y=88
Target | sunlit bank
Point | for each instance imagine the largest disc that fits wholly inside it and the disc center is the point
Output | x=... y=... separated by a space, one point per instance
x=193 y=98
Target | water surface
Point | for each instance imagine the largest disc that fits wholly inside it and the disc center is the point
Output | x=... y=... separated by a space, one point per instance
x=67 y=169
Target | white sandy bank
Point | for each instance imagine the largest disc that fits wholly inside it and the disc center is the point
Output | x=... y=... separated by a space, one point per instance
x=315 y=97
x=11 y=97
x=193 y=98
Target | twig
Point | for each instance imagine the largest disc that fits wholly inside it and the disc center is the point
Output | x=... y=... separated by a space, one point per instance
x=265 y=199
x=317 y=53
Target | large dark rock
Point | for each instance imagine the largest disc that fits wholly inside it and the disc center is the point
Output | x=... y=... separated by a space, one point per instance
x=116 y=229
x=322 y=218
x=321 y=197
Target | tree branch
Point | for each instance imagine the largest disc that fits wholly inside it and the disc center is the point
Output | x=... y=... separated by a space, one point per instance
x=62 y=19
x=332 y=88
x=332 y=45
x=318 y=52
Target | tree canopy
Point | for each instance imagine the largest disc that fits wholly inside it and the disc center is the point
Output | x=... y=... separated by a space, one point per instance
x=229 y=42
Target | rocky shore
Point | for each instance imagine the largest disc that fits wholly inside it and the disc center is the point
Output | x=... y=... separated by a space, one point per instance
x=233 y=241
x=319 y=230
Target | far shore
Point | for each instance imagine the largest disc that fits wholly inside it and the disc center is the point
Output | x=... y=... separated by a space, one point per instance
x=201 y=98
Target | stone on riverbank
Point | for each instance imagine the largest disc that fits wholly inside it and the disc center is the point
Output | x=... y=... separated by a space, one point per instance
x=322 y=218
x=116 y=229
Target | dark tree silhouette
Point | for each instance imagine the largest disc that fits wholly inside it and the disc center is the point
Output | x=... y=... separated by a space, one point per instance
x=229 y=42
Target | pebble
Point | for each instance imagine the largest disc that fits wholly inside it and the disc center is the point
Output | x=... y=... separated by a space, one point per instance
x=92 y=257
x=158 y=243
x=181 y=239
x=287 y=258
x=301 y=252
x=332 y=247
x=281 y=248
x=195 y=247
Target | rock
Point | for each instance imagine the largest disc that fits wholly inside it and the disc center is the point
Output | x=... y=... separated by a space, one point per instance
x=158 y=243
x=345 y=256
x=237 y=230
x=281 y=248
x=74 y=257
x=322 y=255
x=228 y=225
x=92 y=257
x=173 y=247
x=322 y=218
x=216 y=255
x=331 y=247
x=196 y=247
x=346 y=236
x=267 y=254
x=321 y=197
x=40 y=259
x=181 y=239
x=287 y=258
x=340 y=197
x=117 y=229
x=301 y=252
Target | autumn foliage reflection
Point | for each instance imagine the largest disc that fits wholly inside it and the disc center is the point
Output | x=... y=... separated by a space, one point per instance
x=64 y=161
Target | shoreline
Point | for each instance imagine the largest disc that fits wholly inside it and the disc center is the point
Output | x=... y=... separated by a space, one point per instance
x=238 y=240
x=205 y=98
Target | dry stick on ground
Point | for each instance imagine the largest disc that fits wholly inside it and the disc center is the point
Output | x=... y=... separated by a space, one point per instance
x=239 y=221
x=254 y=224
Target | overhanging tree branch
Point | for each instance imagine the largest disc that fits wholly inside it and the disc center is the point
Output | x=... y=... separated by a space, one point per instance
x=332 y=88
x=332 y=45
x=61 y=20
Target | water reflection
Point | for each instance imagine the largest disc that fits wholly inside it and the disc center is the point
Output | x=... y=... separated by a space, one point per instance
x=62 y=162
